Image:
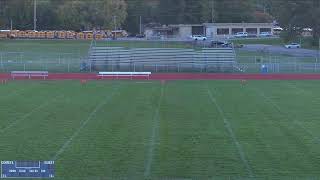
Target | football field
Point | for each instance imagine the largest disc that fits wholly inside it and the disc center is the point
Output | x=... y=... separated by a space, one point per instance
x=164 y=130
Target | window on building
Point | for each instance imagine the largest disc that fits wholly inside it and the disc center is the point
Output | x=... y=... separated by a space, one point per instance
x=252 y=30
x=265 y=29
x=236 y=30
x=223 y=31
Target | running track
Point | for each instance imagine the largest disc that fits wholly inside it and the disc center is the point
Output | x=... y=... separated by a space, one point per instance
x=183 y=76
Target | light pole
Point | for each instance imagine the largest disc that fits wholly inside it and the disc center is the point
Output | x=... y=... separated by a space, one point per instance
x=140 y=26
x=319 y=50
x=35 y=15
x=115 y=22
x=212 y=11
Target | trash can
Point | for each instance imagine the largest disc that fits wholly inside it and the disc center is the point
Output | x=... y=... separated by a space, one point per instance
x=264 y=69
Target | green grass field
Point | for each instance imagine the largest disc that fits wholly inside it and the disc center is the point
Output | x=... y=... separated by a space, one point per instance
x=176 y=130
x=78 y=46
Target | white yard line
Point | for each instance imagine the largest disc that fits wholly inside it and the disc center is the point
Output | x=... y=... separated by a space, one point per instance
x=83 y=124
x=153 y=138
x=232 y=134
x=277 y=107
x=294 y=86
x=144 y=82
x=25 y=116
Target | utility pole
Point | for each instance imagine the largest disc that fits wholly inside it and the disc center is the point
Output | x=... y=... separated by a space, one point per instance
x=11 y=24
x=319 y=50
x=115 y=27
x=140 y=26
x=115 y=22
x=35 y=15
x=212 y=11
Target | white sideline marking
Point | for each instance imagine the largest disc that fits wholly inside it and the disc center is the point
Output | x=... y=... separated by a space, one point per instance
x=152 y=143
x=232 y=134
x=30 y=113
x=84 y=123
x=277 y=107
x=144 y=82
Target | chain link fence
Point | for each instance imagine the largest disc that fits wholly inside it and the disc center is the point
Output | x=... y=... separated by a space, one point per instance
x=74 y=63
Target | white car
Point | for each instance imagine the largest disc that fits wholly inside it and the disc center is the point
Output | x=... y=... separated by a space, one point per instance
x=265 y=34
x=292 y=46
x=241 y=35
x=199 y=37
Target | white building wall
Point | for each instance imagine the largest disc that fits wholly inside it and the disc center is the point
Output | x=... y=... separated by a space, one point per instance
x=211 y=28
x=185 y=31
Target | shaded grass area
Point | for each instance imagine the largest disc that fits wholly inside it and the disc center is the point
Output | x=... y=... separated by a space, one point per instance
x=105 y=129
x=267 y=41
x=305 y=42
x=146 y=44
x=45 y=46
x=244 y=56
x=79 y=46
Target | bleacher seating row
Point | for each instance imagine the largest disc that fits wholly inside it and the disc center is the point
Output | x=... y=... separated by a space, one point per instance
x=116 y=55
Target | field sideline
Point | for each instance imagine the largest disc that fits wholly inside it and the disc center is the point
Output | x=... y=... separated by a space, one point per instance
x=177 y=76
x=171 y=130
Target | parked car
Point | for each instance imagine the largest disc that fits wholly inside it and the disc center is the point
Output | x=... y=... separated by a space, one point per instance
x=198 y=37
x=140 y=36
x=252 y=35
x=241 y=35
x=220 y=44
x=238 y=46
x=292 y=46
x=265 y=34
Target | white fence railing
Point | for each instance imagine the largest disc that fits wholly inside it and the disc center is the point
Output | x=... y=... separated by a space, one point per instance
x=170 y=67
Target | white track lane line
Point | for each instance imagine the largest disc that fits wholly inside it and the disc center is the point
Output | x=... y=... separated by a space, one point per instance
x=152 y=143
x=83 y=124
x=25 y=116
x=232 y=134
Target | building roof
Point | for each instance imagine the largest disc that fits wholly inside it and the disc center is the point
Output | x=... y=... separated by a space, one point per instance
x=238 y=24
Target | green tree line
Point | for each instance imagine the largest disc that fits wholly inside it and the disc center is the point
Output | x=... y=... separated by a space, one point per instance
x=85 y=14
x=293 y=15
x=63 y=14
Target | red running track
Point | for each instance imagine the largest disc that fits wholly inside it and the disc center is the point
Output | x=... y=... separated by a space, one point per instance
x=182 y=76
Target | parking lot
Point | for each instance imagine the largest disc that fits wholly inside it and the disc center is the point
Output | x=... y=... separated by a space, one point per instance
x=273 y=49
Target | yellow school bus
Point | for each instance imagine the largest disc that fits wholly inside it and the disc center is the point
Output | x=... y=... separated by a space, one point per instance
x=49 y=34
x=61 y=34
x=80 y=35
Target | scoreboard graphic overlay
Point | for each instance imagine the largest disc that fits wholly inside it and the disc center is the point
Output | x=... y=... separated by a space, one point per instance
x=27 y=169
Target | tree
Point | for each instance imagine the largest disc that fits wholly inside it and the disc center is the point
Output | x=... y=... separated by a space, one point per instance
x=20 y=12
x=235 y=11
x=171 y=12
x=139 y=8
x=85 y=15
x=294 y=15
x=47 y=15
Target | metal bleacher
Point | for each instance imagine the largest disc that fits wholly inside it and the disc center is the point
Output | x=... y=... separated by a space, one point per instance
x=121 y=57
